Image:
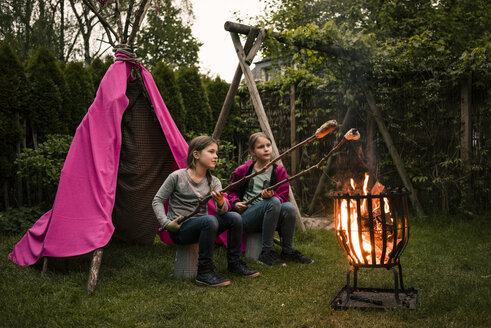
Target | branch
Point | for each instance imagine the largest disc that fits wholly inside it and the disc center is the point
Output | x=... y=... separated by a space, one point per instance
x=128 y=19
x=140 y=14
x=117 y=15
x=104 y=23
x=70 y=49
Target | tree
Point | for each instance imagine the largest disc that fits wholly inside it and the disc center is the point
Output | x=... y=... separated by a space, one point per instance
x=12 y=94
x=97 y=70
x=86 y=24
x=81 y=92
x=167 y=38
x=165 y=80
x=46 y=111
x=417 y=55
x=198 y=111
x=216 y=91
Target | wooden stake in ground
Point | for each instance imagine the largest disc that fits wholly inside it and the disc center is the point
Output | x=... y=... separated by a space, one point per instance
x=94 y=270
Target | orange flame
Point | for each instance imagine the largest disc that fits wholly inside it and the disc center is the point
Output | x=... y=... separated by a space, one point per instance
x=358 y=241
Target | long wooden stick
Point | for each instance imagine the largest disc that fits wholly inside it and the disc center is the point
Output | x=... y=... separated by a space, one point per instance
x=352 y=134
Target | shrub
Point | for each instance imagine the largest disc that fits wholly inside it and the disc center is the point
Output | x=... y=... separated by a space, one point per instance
x=18 y=220
x=42 y=167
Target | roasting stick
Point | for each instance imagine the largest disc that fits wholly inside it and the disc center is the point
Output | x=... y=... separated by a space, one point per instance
x=321 y=132
x=352 y=134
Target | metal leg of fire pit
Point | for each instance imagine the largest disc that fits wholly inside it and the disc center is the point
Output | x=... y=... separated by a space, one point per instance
x=355 y=278
x=396 y=290
x=349 y=290
x=400 y=278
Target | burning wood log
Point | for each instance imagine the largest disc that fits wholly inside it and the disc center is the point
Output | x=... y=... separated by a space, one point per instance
x=321 y=132
x=352 y=134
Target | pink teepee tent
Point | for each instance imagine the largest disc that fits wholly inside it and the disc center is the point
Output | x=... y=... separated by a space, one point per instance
x=99 y=188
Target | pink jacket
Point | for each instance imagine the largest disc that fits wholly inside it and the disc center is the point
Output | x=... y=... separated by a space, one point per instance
x=279 y=174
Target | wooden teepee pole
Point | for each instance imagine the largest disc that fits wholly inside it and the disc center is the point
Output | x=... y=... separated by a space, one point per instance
x=232 y=90
x=394 y=153
x=261 y=114
x=94 y=270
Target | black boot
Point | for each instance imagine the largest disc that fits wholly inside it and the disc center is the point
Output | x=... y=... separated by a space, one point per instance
x=240 y=268
x=207 y=277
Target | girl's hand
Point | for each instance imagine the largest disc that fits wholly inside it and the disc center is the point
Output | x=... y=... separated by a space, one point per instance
x=173 y=226
x=218 y=197
x=240 y=207
x=267 y=193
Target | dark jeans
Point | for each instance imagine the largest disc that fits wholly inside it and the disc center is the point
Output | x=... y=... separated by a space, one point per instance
x=204 y=230
x=269 y=215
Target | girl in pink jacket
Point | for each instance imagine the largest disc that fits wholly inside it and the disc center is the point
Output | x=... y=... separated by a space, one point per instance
x=271 y=212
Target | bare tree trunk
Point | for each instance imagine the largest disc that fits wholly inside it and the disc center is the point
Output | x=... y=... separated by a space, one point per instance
x=85 y=26
x=24 y=131
x=34 y=139
x=61 y=41
x=466 y=138
x=27 y=28
x=28 y=193
x=6 y=195
x=465 y=118
x=18 y=180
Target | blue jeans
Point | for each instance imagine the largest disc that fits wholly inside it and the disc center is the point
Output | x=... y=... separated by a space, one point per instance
x=204 y=230
x=269 y=215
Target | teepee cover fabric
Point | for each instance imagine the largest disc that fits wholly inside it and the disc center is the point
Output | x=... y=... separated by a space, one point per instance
x=80 y=220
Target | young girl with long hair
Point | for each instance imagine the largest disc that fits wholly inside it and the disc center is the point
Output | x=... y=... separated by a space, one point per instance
x=273 y=211
x=182 y=188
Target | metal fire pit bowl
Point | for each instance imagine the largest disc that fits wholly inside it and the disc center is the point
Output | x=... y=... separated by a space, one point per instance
x=373 y=231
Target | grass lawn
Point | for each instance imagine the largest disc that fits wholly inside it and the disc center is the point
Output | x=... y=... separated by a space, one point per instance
x=446 y=260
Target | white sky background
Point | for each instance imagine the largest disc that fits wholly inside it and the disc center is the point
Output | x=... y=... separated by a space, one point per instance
x=217 y=54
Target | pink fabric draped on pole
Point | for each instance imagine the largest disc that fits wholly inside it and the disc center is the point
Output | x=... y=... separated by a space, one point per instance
x=81 y=218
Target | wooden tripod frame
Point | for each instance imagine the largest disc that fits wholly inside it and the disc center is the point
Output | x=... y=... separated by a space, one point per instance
x=247 y=53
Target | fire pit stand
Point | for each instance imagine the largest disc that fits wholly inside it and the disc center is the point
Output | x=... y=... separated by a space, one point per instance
x=373 y=231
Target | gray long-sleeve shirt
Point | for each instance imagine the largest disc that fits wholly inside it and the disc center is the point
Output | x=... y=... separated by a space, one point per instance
x=183 y=195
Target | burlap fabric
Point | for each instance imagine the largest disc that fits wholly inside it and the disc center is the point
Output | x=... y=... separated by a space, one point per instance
x=145 y=162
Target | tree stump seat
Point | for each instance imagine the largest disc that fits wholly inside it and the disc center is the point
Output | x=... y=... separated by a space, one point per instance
x=254 y=245
x=186 y=262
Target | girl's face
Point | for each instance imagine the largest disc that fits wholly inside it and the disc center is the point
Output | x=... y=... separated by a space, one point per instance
x=208 y=156
x=262 y=149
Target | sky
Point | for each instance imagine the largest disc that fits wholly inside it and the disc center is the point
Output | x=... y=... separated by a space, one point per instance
x=217 y=55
